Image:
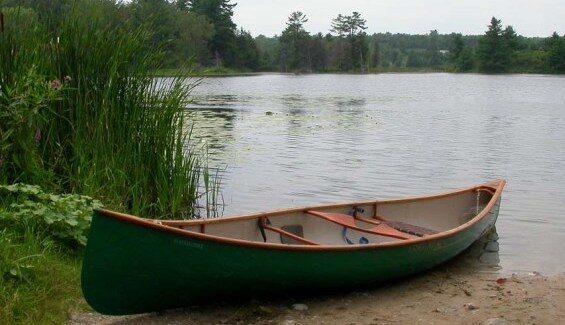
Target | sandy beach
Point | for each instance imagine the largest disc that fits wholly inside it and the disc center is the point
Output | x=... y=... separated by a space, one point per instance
x=446 y=295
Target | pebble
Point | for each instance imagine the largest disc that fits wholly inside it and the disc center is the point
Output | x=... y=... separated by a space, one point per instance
x=495 y=321
x=289 y=322
x=501 y=280
x=300 y=307
x=533 y=299
x=470 y=306
x=265 y=310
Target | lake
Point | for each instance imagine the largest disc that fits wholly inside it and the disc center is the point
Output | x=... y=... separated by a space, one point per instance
x=294 y=140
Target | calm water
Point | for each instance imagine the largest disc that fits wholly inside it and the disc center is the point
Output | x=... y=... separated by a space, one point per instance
x=300 y=140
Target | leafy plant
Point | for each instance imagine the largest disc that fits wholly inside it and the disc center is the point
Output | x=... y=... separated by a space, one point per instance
x=65 y=218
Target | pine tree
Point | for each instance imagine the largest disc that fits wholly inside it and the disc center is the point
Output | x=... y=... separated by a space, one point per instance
x=351 y=29
x=556 y=57
x=295 y=44
x=496 y=48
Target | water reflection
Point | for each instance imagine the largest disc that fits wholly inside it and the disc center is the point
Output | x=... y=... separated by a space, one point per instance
x=214 y=127
x=217 y=100
x=485 y=252
x=293 y=101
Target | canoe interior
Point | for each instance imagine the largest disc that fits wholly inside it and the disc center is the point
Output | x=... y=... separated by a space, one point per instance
x=431 y=215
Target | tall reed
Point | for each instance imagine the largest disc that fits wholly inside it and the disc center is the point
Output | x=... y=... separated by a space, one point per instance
x=111 y=131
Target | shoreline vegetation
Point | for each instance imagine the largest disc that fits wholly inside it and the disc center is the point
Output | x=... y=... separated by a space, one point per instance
x=223 y=72
x=82 y=126
x=84 y=122
x=213 y=72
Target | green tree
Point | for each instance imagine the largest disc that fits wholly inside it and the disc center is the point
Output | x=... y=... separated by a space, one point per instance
x=351 y=28
x=416 y=58
x=460 y=56
x=49 y=12
x=160 y=18
x=295 y=47
x=435 y=58
x=318 y=53
x=496 y=48
x=466 y=60
x=556 y=53
x=456 y=47
x=374 y=55
x=194 y=33
x=220 y=13
x=246 y=51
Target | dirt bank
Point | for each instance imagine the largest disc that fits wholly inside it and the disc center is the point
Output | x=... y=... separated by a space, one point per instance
x=437 y=297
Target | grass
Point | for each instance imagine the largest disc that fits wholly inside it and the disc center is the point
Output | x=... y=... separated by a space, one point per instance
x=41 y=238
x=39 y=281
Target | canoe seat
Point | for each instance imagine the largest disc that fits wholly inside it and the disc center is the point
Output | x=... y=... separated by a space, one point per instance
x=380 y=228
x=411 y=229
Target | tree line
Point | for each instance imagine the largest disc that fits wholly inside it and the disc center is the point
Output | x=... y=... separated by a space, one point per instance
x=348 y=48
x=202 y=32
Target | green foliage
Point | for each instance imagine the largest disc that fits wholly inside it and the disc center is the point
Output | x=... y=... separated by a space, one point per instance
x=94 y=121
x=435 y=57
x=23 y=103
x=247 y=52
x=556 y=53
x=12 y=267
x=24 y=96
x=194 y=34
x=181 y=34
x=219 y=13
x=203 y=32
x=39 y=274
x=496 y=48
x=460 y=55
x=38 y=280
x=64 y=218
x=351 y=44
x=294 y=41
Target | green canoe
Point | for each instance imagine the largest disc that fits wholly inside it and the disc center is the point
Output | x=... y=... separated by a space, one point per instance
x=134 y=265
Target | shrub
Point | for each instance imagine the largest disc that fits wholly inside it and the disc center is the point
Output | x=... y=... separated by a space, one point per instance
x=64 y=218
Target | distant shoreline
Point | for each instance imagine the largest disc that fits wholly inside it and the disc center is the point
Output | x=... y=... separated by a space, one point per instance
x=207 y=73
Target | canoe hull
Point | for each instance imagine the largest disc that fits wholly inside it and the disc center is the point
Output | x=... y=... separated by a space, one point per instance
x=129 y=268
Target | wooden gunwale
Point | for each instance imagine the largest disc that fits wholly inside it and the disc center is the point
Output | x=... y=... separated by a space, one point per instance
x=171 y=225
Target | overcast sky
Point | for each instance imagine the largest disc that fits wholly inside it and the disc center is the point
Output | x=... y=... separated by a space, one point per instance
x=529 y=18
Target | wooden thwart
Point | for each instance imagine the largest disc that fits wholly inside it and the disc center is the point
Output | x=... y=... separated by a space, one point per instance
x=263 y=224
x=381 y=228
